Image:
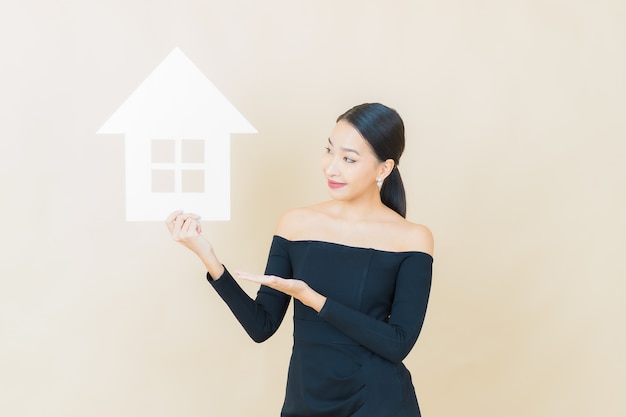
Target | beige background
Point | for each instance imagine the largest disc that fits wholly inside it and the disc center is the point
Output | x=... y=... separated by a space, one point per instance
x=516 y=140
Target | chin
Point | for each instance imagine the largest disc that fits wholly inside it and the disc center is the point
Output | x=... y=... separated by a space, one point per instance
x=338 y=195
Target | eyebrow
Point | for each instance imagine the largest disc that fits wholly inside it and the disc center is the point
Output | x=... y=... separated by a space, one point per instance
x=343 y=148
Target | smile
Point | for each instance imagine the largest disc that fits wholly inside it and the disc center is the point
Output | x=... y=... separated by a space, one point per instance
x=333 y=184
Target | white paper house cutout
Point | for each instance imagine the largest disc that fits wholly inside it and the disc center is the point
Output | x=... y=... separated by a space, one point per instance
x=177 y=126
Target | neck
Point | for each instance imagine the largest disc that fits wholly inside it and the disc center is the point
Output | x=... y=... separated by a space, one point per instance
x=362 y=208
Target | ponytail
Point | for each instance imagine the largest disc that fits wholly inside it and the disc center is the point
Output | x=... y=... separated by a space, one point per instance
x=392 y=193
x=383 y=128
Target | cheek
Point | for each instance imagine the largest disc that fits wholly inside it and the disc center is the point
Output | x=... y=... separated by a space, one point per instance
x=365 y=174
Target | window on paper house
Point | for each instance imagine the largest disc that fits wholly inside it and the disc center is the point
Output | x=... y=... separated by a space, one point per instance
x=177 y=165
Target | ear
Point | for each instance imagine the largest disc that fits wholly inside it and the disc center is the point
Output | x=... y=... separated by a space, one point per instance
x=385 y=168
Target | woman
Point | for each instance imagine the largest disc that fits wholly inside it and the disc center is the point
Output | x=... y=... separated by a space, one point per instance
x=358 y=271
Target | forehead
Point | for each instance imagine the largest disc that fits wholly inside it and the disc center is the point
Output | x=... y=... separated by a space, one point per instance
x=346 y=135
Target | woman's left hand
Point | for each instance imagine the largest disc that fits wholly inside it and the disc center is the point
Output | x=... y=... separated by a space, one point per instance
x=296 y=288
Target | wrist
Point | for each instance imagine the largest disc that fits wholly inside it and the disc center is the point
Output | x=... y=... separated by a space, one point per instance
x=313 y=299
x=212 y=264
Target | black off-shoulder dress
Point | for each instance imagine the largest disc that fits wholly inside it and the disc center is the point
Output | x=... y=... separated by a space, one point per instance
x=346 y=359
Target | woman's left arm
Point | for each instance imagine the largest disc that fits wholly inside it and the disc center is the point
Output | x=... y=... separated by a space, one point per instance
x=392 y=339
x=294 y=287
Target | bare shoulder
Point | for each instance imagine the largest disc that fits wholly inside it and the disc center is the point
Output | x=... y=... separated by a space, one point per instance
x=418 y=237
x=294 y=223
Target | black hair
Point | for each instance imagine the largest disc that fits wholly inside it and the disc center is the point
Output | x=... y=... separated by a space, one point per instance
x=383 y=129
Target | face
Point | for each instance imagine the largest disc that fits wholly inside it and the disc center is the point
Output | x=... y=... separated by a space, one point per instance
x=350 y=165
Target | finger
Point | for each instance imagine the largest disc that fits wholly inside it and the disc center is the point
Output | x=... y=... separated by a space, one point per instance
x=180 y=220
x=190 y=227
x=260 y=279
x=198 y=225
x=172 y=216
x=169 y=221
x=185 y=216
x=249 y=277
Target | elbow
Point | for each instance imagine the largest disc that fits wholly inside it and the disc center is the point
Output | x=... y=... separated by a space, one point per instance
x=400 y=349
x=261 y=336
x=398 y=355
x=260 y=328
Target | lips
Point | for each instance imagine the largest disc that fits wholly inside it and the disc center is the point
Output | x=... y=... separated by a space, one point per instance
x=335 y=185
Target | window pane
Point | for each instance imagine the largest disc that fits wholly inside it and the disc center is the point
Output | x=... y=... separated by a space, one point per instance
x=163 y=151
x=192 y=151
x=193 y=181
x=163 y=181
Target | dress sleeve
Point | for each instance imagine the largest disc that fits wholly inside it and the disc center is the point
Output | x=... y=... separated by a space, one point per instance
x=262 y=316
x=392 y=339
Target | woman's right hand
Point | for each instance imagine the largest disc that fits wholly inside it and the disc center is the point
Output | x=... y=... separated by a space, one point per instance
x=185 y=229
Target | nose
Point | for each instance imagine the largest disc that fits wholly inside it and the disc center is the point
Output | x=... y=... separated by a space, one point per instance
x=331 y=167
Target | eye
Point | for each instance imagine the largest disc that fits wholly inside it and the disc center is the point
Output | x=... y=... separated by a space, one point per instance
x=348 y=160
x=328 y=150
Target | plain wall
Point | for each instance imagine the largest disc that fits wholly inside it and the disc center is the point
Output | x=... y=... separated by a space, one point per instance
x=516 y=141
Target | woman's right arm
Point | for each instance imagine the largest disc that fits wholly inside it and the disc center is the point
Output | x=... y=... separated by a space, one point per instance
x=260 y=317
